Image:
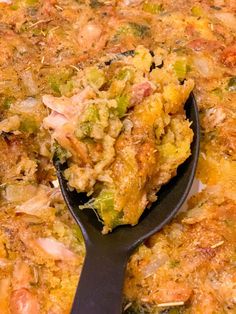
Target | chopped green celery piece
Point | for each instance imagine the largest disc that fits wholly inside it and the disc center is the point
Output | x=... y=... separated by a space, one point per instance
x=125 y=74
x=67 y=88
x=196 y=11
x=104 y=201
x=232 y=84
x=59 y=79
x=55 y=86
x=85 y=129
x=104 y=204
x=117 y=219
x=92 y=113
x=60 y=152
x=95 y=77
x=29 y=125
x=122 y=105
x=181 y=68
x=152 y=8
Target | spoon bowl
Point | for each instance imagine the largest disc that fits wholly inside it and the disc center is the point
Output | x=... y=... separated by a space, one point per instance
x=101 y=281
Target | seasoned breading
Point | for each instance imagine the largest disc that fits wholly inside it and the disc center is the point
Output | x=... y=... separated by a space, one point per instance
x=189 y=267
x=122 y=170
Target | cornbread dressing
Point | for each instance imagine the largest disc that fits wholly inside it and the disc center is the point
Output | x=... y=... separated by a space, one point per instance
x=188 y=267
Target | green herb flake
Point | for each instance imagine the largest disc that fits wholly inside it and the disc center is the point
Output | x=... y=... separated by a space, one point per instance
x=104 y=204
x=7 y=102
x=125 y=74
x=95 y=77
x=174 y=263
x=122 y=105
x=55 y=86
x=95 y=4
x=85 y=129
x=139 y=30
x=232 y=84
x=58 y=82
x=181 y=69
x=134 y=29
x=105 y=201
x=67 y=88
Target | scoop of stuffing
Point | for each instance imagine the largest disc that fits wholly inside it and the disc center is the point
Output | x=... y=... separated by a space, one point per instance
x=122 y=169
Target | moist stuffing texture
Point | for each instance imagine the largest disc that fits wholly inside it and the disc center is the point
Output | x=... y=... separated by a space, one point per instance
x=123 y=134
x=188 y=267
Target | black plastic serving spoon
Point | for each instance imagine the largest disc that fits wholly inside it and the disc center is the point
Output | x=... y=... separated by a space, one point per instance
x=101 y=281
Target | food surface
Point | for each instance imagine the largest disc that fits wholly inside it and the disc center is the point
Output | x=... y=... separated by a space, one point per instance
x=123 y=134
x=189 y=267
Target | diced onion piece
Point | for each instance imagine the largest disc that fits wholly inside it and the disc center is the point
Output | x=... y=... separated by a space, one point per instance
x=90 y=35
x=29 y=82
x=19 y=193
x=203 y=65
x=153 y=266
x=28 y=105
x=195 y=215
x=35 y=205
x=55 y=249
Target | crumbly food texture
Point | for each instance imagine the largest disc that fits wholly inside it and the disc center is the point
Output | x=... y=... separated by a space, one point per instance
x=123 y=134
x=189 y=267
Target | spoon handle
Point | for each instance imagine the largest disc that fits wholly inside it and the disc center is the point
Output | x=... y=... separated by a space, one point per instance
x=101 y=282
